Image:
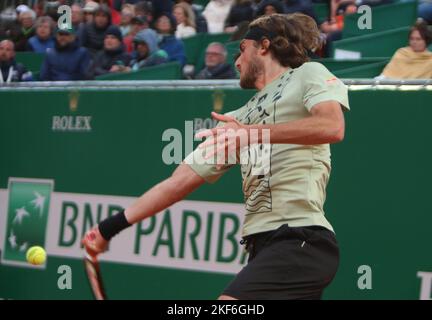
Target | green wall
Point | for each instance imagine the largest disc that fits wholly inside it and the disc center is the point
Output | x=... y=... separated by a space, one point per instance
x=378 y=196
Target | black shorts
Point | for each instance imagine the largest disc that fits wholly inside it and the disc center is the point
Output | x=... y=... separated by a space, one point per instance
x=287 y=263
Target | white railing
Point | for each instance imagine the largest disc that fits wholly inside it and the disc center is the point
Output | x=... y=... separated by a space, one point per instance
x=353 y=84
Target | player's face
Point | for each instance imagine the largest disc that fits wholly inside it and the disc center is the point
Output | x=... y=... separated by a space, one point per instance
x=416 y=42
x=248 y=64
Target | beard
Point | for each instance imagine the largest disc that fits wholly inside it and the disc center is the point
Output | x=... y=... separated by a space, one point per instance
x=250 y=76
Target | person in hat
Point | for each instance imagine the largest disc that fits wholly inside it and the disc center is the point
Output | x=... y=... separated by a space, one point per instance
x=113 y=58
x=147 y=52
x=89 y=11
x=67 y=60
x=138 y=23
x=93 y=35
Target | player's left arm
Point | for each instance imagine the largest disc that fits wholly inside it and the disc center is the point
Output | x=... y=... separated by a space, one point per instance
x=325 y=124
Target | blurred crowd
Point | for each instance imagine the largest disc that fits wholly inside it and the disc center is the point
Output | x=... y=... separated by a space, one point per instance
x=112 y=36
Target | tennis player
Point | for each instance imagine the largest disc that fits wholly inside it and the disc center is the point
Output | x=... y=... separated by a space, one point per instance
x=293 y=252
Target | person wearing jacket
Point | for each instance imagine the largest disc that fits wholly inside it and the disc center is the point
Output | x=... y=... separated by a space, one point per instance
x=10 y=70
x=165 y=26
x=67 y=61
x=43 y=40
x=113 y=58
x=215 y=63
x=147 y=52
x=93 y=34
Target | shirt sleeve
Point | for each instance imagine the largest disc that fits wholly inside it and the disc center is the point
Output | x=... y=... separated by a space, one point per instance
x=206 y=168
x=320 y=85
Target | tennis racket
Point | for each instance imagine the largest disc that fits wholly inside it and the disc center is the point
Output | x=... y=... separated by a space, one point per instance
x=92 y=268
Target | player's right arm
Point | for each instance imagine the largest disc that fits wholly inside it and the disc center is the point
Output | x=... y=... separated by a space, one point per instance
x=183 y=181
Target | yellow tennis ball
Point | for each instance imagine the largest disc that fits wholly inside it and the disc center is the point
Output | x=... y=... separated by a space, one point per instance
x=36 y=255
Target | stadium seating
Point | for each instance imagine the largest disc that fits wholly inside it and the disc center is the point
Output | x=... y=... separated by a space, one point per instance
x=337 y=65
x=370 y=70
x=385 y=17
x=32 y=61
x=167 y=71
x=380 y=44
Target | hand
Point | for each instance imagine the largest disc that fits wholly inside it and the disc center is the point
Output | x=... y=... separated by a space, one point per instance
x=222 y=141
x=115 y=68
x=93 y=242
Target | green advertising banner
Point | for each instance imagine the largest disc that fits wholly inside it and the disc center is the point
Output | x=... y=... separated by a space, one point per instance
x=71 y=157
x=27 y=218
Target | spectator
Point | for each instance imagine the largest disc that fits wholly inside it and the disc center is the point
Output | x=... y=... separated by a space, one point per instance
x=77 y=16
x=425 y=10
x=215 y=63
x=10 y=70
x=93 y=34
x=113 y=58
x=89 y=11
x=165 y=26
x=145 y=9
x=268 y=7
x=138 y=23
x=67 y=61
x=156 y=7
x=24 y=31
x=301 y=6
x=119 y=4
x=200 y=21
x=185 y=19
x=51 y=9
x=115 y=15
x=39 y=9
x=240 y=12
x=8 y=22
x=216 y=12
x=414 y=61
x=147 y=52
x=127 y=14
x=44 y=39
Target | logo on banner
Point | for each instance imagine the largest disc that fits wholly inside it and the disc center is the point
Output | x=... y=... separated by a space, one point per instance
x=27 y=218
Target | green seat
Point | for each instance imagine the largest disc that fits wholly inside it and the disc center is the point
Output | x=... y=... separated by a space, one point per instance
x=321 y=11
x=167 y=71
x=365 y=71
x=335 y=65
x=385 y=17
x=381 y=44
x=32 y=61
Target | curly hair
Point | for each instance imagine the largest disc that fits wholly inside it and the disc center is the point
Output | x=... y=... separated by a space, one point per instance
x=295 y=35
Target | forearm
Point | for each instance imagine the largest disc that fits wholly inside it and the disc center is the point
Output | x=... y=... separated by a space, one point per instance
x=324 y=125
x=307 y=131
x=183 y=181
